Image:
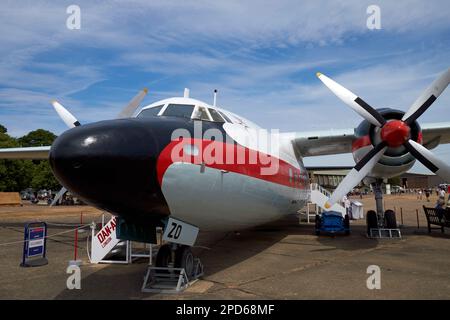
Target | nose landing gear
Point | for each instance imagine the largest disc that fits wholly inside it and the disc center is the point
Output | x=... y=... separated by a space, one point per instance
x=176 y=256
x=176 y=269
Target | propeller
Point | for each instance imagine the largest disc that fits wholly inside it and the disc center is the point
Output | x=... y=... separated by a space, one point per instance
x=72 y=122
x=65 y=115
x=131 y=107
x=58 y=196
x=393 y=133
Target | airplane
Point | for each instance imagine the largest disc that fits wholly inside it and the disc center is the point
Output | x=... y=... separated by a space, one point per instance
x=154 y=169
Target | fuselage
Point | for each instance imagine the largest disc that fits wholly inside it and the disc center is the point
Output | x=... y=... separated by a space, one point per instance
x=184 y=158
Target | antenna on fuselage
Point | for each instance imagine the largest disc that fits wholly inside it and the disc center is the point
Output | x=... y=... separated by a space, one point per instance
x=215 y=97
x=186 y=92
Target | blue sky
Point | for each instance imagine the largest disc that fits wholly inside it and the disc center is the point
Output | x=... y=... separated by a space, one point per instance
x=262 y=56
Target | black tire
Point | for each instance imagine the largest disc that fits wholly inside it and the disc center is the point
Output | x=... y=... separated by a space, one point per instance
x=371 y=220
x=185 y=259
x=347 y=224
x=164 y=256
x=318 y=224
x=390 y=221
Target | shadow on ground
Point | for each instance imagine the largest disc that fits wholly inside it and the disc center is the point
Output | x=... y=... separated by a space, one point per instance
x=218 y=251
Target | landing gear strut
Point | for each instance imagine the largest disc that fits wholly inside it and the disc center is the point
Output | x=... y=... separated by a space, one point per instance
x=379 y=201
x=381 y=224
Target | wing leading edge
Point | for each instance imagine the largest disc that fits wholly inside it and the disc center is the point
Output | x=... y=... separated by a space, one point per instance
x=25 y=153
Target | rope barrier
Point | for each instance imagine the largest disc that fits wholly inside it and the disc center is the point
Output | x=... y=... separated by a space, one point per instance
x=49 y=236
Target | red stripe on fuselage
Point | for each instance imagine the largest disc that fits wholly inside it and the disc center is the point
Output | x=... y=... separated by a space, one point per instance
x=233 y=158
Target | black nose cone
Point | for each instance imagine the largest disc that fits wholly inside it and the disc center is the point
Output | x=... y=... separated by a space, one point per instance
x=111 y=165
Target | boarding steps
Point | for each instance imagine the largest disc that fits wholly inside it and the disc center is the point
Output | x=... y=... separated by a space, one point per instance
x=318 y=198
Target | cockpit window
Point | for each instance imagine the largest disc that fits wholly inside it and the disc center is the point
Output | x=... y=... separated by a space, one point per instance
x=179 y=110
x=151 y=112
x=201 y=114
x=225 y=117
x=215 y=115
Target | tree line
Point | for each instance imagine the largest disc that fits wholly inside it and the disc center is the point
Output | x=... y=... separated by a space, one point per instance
x=17 y=175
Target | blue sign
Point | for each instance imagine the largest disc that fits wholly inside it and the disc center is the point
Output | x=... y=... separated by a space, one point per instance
x=35 y=241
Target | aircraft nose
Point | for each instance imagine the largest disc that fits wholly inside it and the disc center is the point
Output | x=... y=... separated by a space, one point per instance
x=112 y=165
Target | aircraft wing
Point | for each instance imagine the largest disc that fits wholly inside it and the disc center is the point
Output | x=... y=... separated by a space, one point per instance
x=435 y=134
x=329 y=142
x=320 y=143
x=25 y=153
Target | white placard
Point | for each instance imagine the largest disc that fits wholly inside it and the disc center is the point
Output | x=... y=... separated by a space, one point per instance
x=104 y=241
x=180 y=232
x=36 y=243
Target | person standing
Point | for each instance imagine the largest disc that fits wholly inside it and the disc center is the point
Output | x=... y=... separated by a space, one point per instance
x=347 y=203
x=441 y=198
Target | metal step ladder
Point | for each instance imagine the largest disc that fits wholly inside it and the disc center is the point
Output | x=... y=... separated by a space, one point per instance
x=170 y=279
x=318 y=198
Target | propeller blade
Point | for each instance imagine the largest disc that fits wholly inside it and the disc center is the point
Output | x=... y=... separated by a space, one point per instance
x=352 y=100
x=428 y=159
x=65 y=115
x=132 y=105
x=427 y=98
x=362 y=168
x=58 y=196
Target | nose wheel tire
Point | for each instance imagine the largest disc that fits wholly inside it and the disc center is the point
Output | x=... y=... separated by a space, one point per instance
x=185 y=259
x=164 y=256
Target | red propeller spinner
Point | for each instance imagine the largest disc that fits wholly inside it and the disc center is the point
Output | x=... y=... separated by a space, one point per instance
x=395 y=133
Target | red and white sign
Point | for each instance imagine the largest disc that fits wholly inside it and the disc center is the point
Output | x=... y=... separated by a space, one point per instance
x=104 y=241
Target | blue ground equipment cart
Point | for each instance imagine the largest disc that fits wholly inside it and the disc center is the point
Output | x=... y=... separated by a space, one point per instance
x=332 y=222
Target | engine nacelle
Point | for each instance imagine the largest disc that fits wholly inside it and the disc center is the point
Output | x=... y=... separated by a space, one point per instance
x=395 y=161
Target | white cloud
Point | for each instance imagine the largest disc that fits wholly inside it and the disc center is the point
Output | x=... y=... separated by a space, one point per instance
x=261 y=55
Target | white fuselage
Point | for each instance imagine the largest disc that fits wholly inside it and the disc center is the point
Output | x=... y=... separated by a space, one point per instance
x=233 y=196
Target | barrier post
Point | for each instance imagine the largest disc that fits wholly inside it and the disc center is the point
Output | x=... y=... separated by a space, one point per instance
x=76 y=245
x=417 y=215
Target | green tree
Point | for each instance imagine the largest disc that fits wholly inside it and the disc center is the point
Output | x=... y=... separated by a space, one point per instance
x=42 y=176
x=36 y=138
x=16 y=175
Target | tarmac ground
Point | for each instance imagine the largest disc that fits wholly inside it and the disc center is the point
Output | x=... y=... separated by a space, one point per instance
x=281 y=260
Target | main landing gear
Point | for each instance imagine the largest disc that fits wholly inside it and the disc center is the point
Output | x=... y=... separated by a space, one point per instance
x=381 y=224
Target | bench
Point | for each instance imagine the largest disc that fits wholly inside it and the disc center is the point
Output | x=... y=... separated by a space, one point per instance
x=438 y=217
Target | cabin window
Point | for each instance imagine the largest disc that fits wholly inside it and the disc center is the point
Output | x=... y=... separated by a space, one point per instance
x=215 y=115
x=150 y=112
x=201 y=114
x=225 y=116
x=179 y=110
